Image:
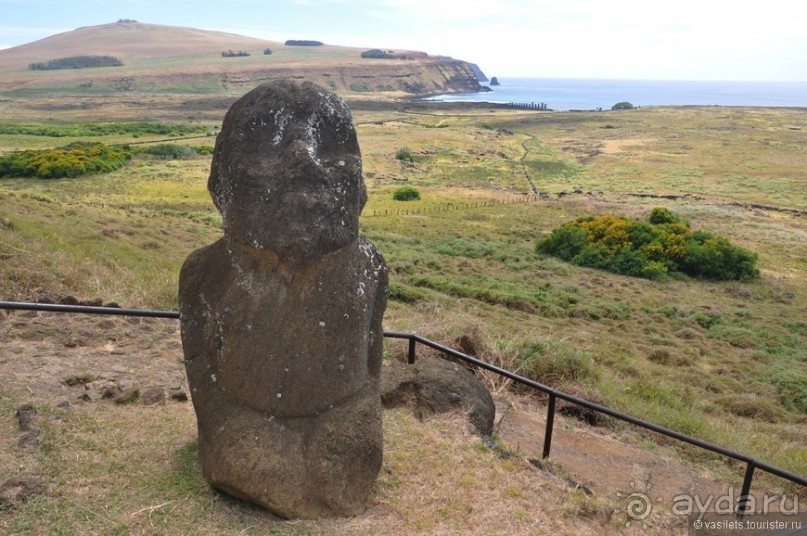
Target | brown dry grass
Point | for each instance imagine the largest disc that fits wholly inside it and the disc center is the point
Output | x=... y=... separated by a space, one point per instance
x=130 y=41
x=131 y=469
x=621 y=145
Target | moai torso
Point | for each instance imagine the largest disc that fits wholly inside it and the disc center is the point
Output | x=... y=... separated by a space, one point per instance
x=285 y=342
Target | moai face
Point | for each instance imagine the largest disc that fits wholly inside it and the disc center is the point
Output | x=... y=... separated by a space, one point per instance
x=286 y=173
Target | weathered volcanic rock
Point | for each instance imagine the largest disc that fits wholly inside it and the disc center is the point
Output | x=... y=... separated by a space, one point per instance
x=18 y=489
x=281 y=318
x=26 y=415
x=437 y=386
x=286 y=171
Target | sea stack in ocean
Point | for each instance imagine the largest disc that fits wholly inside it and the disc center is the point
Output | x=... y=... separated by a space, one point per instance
x=494 y=81
x=281 y=318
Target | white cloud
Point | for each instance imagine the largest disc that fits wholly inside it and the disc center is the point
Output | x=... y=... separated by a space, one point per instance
x=696 y=39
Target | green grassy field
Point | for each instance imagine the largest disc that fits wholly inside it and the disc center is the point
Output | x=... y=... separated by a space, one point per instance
x=726 y=362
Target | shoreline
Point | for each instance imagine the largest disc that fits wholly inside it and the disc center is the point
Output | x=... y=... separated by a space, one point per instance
x=571 y=94
x=184 y=107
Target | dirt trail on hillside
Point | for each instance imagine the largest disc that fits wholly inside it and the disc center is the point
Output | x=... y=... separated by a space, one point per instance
x=53 y=359
x=600 y=460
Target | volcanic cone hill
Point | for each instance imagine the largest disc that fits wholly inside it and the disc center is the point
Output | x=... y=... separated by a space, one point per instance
x=170 y=59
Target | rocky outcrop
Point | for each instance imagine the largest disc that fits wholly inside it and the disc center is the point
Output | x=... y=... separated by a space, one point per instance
x=433 y=386
x=478 y=72
x=281 y=318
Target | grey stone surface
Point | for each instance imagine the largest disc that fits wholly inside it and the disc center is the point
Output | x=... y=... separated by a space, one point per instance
x=281 y=318
x=286 y=171
x=434 y=385
x=18 y=489
x=26 y=415
x=153 y=395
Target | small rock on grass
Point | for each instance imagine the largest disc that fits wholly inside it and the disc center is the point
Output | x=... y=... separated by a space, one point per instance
x=128 y=396
x=30 y=439
x=153 y=396
x=26 y=414
x=178 y=395
x=21 y=488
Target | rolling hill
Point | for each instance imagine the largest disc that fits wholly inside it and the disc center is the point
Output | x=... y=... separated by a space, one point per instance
x=170 y=59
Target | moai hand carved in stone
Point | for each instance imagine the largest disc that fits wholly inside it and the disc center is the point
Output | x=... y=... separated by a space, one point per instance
x=281 y=318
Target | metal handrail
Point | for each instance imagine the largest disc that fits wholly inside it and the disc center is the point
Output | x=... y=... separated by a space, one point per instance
x=751 y=463
x=87 y=309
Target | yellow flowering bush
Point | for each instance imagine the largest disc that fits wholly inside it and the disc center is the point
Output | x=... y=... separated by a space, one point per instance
x=76 y=159
x=631 y=247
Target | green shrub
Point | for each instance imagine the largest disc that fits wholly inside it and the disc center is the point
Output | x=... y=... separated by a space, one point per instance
x=374 y=53
x=85 y=130
x=565 y=242
x=662 y=215
x=303 y=43
x=751 y=406
x=631 y=247
x=406 y=193
x=706 y=320
x=654 y=270
x=714 y=257
x=737 y=336
x=404 y=293
x=622 y=106
x=556 y=364
x=791 y=386
x=78 y=158
x=168 y=151
x=76 y=62
x=203 y=149
x=404 y=155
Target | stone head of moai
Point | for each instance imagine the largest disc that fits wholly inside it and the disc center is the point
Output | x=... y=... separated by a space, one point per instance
x=288 y=150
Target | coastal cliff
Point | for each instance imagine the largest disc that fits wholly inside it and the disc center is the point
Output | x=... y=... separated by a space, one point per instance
x=157 y=58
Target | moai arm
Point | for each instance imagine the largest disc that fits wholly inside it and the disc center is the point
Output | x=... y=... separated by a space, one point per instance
x=375 y=350
x=230 y=433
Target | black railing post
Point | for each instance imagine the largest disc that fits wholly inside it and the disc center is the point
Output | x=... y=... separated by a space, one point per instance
x=550 y=423
x=745 y=494
x=410 y=358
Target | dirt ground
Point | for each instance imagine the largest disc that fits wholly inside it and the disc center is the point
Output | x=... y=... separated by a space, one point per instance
x=602 y=461
x=56 y=358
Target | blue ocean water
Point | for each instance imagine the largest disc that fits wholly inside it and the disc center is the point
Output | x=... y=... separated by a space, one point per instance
x=579 y=94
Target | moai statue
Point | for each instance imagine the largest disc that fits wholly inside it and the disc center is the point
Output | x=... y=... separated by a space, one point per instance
x=281 y=318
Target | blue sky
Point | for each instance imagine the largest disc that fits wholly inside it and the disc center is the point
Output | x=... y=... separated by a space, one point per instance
x=636 y=39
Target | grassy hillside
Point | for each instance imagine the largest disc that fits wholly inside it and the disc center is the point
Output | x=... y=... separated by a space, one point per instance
x=131 y=42
x=722 y=361
x=168 y=59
